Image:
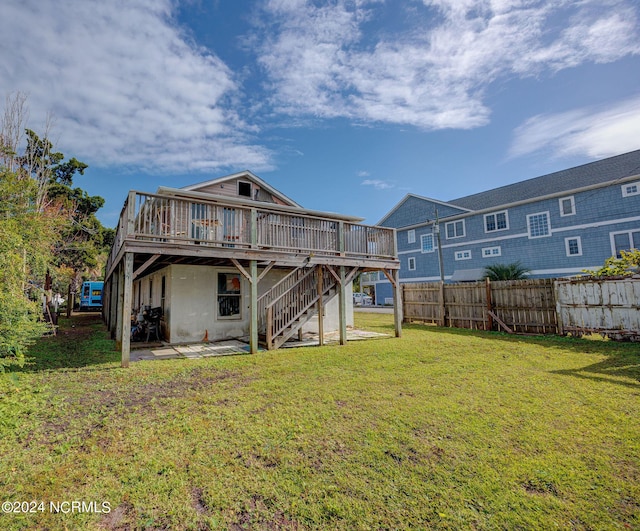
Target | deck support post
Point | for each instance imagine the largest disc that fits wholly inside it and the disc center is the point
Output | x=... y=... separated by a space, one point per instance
x=397 y=303
x=111 y=317
x=106 y=297
x=342 y=302
x=127 y=294
x=119 y=306
x=113 y=304
x=253 y=307
x=319 y=269
x=393 y=276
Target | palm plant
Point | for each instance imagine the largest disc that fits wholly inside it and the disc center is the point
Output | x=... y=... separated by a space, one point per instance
x=513 y=271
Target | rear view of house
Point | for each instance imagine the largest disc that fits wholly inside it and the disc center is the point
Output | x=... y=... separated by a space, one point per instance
x=234 y=257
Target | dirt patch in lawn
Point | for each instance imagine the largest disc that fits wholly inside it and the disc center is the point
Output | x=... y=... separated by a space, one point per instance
x=81 y=414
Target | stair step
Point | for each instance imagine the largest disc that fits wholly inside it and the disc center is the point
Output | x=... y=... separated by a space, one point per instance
x=305 y=314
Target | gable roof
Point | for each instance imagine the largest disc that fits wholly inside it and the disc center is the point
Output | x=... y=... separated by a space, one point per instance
x=426 y=207
x=249 y=176
x=599 y=172
x=227 y=200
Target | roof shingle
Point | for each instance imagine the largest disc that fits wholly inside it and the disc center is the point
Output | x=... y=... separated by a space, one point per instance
x=598 y=172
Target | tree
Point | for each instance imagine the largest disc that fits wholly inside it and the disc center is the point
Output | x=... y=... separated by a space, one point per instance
x=45 y=224
x=24 y=254
x=77 y=252
x=47 y=167
x=628 y=264
x=513 y=271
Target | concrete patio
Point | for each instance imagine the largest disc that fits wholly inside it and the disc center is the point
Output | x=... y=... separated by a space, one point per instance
x=233 y=347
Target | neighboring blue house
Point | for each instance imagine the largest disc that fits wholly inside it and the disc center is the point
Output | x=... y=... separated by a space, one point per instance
x=555 y=225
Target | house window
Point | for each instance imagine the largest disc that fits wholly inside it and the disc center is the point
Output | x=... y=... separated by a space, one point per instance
x=567 y=206
x=244 y=189
x=488 y=252
x=538 y=225
x=411 y=236
x=463 y=255
x=229 y=295
x=631 y=189
x=573 y=246
x=150 y=292
x=412 y=264
x=455 y=229
x=427 y=244
x=496 y=221
x=624 y=241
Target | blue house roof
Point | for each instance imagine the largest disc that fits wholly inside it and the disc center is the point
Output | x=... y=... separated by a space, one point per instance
x=598 y=172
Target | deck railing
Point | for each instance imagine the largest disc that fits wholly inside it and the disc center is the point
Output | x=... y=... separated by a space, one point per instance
x=168 y=219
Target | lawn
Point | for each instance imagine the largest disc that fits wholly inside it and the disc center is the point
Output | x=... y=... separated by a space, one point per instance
x=440 y=429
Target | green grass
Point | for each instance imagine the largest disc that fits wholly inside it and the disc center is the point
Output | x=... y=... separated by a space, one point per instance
x=441 y=429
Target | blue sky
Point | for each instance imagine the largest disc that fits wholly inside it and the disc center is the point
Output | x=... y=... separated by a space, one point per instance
x=344 y=106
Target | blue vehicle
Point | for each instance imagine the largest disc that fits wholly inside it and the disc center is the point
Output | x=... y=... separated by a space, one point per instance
x=91 y=295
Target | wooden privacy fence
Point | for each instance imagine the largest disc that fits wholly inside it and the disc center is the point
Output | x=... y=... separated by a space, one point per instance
x=538 y=306
x=610 y=307
x=516 y=306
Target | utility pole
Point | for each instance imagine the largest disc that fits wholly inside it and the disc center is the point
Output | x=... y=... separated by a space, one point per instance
x=436 y=230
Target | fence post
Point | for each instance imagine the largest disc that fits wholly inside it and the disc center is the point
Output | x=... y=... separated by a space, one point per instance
x=489 y=304
x=556 y=293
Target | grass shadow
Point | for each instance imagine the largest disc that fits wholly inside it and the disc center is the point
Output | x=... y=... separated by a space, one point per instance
x=609 y=371
x=621 y=366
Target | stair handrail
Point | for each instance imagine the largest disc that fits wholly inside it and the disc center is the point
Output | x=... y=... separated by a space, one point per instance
x=310 y=271
x=303 y=296
x=280 y=287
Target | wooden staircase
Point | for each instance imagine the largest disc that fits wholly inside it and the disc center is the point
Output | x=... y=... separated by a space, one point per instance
x=292 y=302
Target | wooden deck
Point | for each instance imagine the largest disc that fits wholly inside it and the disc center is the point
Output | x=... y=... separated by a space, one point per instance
x=155 y=224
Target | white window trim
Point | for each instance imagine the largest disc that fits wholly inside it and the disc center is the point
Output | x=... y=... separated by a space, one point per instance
x=412 y=262
x=490 y=249
x=237 y=317
x=433 y=241
x=529 y=216
x=573 y=206
x=506 y=218
x=566 y=245
x=627 y=194
x=463 y=255
x=446 y=229
x=411 y=236
x=612 y=235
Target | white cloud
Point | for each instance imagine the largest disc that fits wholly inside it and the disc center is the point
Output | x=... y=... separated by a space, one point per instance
x=377 y=184
x=320 y=60
x=594 y=132
x=125 y=84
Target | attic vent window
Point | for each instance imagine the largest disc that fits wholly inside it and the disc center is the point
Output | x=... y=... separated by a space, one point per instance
x=244 y=189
